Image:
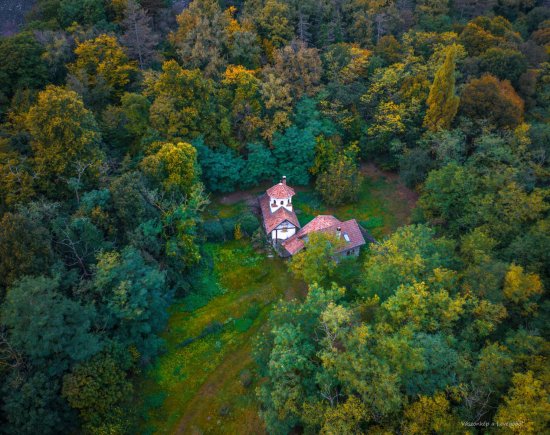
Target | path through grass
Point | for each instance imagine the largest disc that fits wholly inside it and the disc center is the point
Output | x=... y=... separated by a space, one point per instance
x=196 y=385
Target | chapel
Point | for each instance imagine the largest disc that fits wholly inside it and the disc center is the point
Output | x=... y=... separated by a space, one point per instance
x=283 y=227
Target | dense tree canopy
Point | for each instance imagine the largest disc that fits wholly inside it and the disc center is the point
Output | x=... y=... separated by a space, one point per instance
x=119 y=118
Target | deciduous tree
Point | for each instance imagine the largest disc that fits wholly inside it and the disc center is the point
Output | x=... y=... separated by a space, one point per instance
x=173 y=166
x=300 y=67
x=132 y=297
x=340 y=182
x=317 y=262
x=202 y=36
x=22 y=65
x=25 y=249
x=64 y=138
x=101 y=71
x=526 y=404
x=182 y=102
x=98 y=388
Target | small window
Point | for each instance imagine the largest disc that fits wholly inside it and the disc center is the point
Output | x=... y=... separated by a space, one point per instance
x=282 y=202
x=348 y=253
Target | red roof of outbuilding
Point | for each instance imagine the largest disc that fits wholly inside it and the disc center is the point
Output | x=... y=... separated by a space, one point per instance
x=318 y=223
x=293 y=244
x=281 y=190
x=350 y=233
x=273 y=220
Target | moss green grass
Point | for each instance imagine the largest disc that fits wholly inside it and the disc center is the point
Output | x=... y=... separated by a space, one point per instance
x=179 y=384
x=380 y=207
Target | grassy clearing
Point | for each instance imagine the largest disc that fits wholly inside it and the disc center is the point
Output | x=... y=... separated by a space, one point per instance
x=383 y=205
x=205 y=381
x=196 y=383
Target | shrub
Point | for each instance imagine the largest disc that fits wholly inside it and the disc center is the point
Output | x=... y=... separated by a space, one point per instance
x=186 y=342
x=373 y=222
x=205 y=288
x=155 y=400
x=238 y=233
x=249 y=223
x=246 y=378
x=243 y=324
x=211 y=328
x=228 y=225
x=224 y=410
x=252 y=312
x=213 y=230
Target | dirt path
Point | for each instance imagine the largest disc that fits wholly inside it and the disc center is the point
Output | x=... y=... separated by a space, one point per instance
x=228 y=370
x=367 y=169
x=243 y=195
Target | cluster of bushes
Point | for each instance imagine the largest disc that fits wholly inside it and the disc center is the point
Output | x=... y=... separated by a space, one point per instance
x=223 y=229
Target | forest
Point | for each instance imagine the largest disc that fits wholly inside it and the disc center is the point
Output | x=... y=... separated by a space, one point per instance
x=125 y=124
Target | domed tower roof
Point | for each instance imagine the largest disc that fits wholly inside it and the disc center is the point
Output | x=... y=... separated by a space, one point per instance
x=281 y=190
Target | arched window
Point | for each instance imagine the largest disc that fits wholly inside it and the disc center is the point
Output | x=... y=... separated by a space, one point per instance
x=282 y=202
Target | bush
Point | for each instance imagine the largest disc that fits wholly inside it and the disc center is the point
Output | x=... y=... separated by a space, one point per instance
x=186 y=342
x=246 y=378
x=243 y=324
x=213 y=230
x=373 y=222
x=220 y=230
x=249 y=223
x=155 y=400
x=225 y=410
x=252 y=312
x=211 y=328
x=228 y=225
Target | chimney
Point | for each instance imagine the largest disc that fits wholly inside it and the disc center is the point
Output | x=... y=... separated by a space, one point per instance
x=284 y=179
x=338 y=232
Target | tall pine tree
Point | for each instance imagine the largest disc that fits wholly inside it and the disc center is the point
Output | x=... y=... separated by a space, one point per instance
x=442 y=101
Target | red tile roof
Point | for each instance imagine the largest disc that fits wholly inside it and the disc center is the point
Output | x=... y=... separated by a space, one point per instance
x=293 y=244
x=272 y=220
x=281 y=190
x=318 y=223
x=350 y=232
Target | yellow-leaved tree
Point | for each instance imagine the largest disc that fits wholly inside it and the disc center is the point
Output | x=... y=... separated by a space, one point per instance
x=526 y=409
x=173 y=166
x=101 y=71
x=64 y=138
x=521 y=288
